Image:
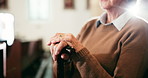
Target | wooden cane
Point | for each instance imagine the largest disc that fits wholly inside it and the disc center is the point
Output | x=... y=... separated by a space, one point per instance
x=60 y=62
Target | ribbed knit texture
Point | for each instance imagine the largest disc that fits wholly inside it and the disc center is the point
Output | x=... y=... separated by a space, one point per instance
x=80 y=54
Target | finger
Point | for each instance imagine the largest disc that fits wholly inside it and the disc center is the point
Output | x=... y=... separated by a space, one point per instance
x=51 y=48
x=49 y=43
x=70 y=39
x=73 y=42
x=54 y=57
x=54 y=51
x=55 y=48
x=60 y=46
x=57 y=38
x=53 y=40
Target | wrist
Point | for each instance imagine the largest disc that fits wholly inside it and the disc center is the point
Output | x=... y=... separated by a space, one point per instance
x=80 y=54
x=77 y=46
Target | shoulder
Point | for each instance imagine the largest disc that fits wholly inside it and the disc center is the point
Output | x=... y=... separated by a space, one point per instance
x=135 y=29
x=88 y=25
x=137 y=24
x=137 y=21
x=135 y=32
x=91 y=22
x=93 y=19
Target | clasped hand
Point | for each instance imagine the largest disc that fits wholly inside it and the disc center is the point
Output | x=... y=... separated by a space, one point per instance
x=61 y=40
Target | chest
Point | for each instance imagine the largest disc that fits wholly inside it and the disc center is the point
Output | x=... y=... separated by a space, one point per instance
x=105 y=45
x=103 y=40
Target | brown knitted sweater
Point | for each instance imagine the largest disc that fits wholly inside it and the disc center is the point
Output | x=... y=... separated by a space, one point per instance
x=110 y=53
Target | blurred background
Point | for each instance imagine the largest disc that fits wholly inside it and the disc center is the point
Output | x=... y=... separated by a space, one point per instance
x=35 y=21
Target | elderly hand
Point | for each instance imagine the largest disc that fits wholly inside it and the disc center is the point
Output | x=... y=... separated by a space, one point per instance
x=61 y=40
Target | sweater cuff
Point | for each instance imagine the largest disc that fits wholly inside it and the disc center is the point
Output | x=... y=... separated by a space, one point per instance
x=76 y=56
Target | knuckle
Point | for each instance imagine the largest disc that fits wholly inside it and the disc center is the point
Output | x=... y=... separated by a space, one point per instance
x=69 y=37
x=63 y=43
x=69 y=34
x=56 y=33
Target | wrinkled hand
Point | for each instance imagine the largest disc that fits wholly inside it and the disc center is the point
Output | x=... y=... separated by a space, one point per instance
x=61 y=40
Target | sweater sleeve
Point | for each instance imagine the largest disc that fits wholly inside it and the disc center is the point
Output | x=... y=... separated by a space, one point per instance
x=132 y=62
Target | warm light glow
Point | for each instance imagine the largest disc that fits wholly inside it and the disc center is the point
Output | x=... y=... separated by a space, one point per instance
x=134 y=9
x=139 y=10
x=7 y=27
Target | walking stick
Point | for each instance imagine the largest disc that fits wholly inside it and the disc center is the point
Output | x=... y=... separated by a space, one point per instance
x=60 y=62
x=60 y=68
